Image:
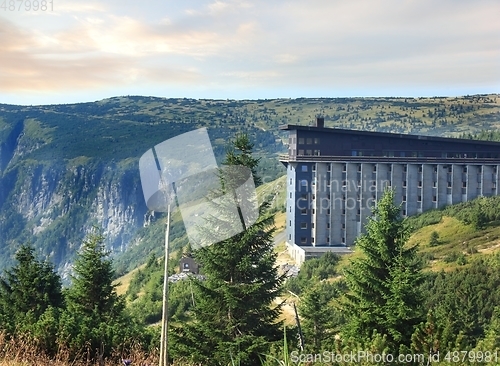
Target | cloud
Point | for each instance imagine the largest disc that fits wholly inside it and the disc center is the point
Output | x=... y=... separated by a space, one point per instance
x=292 y=44
x=74 y=7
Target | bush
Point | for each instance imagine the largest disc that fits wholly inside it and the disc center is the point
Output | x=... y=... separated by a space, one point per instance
x=434 y=239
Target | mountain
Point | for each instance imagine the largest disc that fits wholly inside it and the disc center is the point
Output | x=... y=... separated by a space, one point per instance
x=65 y=168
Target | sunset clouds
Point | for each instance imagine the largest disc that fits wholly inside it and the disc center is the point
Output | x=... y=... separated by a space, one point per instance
x=84 y=51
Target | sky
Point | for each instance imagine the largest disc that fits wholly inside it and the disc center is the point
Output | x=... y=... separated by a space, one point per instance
x=83 y=51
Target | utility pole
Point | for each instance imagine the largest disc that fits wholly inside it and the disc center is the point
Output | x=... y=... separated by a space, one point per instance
x=164 y=321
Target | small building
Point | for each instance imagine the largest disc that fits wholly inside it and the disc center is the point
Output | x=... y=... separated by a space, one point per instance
x=189 y=265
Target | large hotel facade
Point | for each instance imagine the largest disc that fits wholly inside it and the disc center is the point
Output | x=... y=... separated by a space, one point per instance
x=335 y=176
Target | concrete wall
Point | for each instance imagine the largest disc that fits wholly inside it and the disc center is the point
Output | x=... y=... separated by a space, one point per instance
x=338 y=203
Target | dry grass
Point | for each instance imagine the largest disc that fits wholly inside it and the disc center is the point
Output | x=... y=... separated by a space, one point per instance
x=122 y=283
x=23 y=351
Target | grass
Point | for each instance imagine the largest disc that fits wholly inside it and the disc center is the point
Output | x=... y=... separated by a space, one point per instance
x=455 y=239
x=122 y=283
x=24 y=352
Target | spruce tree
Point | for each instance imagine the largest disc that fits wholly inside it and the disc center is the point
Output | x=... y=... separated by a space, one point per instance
x=383 y=296
x=234 y=316
x=27 y=291
x=94 y=320
x=317 y=319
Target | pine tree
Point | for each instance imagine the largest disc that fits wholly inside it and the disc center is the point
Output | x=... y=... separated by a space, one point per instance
x=317 y=319
x=434 y=239
x=94 y=320
x=27 y=291
x=383 y=294
x=234 y=317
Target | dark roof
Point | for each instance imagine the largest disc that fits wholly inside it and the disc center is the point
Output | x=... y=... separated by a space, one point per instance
x=388 y=134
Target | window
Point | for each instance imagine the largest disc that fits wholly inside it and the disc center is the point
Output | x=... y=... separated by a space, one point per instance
x=404 y=212
x=303 y=211
x=464 y=185
x=312 y=239
x=289 y=236
x=303 y=196
x=419 y=198
x=301 y=141
x=404 y=183
x=309 y=152
x=328 y=168
x=290 y=223
x=328 y=239
x=303 y=240
x=419 y=183
x=312 y=225
x=304 y=168
x=303 y=183
x=290 y=194
x=327 y=225
x=301 y=152
x=303 y=225
x=316 y=141
x=434 y=184
x=314 y=167
x=434 y=198
x=328 y=211
x=291 y=181
x=309 y=141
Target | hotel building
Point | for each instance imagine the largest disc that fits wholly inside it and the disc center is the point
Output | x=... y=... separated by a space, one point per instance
x=335 y=176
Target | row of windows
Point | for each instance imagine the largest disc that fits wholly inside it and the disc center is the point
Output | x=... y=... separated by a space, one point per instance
x=421 y=154
x=303 y=240
x=304 y=168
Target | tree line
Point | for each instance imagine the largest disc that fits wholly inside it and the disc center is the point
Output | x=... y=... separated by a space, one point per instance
x=85 y=320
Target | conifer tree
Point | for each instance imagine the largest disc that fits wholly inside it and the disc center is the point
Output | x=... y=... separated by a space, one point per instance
x=317 y=319
x=234 y=316
x=27 y=291
x=94 y=320
x=383 y=294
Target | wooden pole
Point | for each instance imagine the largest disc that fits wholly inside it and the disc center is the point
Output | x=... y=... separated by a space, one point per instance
x=164 y=322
